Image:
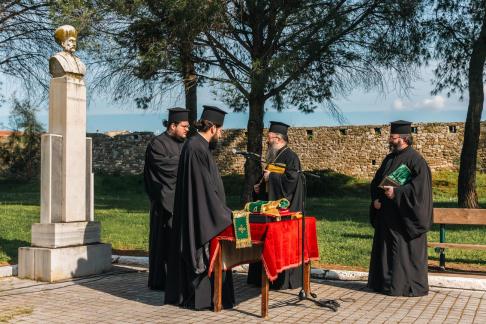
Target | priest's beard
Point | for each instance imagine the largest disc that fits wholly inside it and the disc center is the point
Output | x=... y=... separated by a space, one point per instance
x=177 y=138
x=213 y=143
x=395 y=147
x=271 y=153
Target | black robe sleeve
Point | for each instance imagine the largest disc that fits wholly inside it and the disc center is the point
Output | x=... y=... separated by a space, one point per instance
x=414 y=199
x=209 y=206
x=160 y=174
x=376 y=192
x=289 y=184
x=376 y=181
x=262 y=195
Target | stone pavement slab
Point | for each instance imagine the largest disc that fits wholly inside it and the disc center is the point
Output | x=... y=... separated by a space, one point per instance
x=447 y=279
x=122 y=296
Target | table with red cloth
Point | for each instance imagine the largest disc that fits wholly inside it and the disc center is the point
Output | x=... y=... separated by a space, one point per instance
x=278 y=245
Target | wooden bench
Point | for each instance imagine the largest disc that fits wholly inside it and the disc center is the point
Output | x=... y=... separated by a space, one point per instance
x=456 y=216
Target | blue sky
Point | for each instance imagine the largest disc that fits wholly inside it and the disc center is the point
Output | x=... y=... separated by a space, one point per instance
x=359 y=108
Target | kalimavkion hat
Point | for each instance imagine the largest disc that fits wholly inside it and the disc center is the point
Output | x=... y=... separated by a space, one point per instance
x=278 y=127
x=213 y=114
x=400 y=127
x=178 y=114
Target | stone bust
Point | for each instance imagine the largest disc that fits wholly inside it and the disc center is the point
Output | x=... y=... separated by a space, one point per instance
x=65 y=62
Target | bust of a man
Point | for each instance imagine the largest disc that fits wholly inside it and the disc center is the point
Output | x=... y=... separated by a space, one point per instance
x=65 y=62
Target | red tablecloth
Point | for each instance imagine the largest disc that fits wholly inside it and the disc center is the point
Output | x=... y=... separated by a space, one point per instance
x=282 y=248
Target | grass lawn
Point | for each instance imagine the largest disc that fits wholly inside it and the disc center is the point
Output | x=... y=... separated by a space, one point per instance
x=343 y=230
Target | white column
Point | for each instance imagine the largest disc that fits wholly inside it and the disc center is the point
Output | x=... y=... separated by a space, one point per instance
x=67 y=117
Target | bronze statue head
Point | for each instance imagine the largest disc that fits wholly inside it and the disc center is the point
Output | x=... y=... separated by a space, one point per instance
x=66 y=36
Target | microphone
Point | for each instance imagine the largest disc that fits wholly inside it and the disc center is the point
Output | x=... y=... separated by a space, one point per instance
x=247 y=154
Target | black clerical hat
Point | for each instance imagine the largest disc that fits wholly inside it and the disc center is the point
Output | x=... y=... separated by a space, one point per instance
x=278 y=127
x=178 y=114
x=213 y=114
x=400 y=127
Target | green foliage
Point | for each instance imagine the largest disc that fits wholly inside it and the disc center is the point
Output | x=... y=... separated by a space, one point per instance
x=445 y=186
x=19 y=209
x=26 y=41
x=334 y=184
x=455 y=27
x=305 y=53
x=21 y=153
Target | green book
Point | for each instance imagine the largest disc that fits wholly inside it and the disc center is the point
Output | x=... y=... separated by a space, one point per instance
x=402 y=175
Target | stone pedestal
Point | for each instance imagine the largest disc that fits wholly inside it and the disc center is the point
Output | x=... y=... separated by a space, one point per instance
x=54 y=193
x=45 y=264
x=58 y=235
x=66 y=242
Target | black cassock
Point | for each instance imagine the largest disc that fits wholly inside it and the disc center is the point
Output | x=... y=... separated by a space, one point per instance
x=288 y=185
x=398 y=265
x=200 y=213
x=160 y=175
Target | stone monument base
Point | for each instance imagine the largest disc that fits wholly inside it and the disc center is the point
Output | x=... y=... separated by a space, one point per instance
x=57 y=235
x=48 y=264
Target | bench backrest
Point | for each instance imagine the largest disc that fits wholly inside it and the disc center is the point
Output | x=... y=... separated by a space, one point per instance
x=459 y=216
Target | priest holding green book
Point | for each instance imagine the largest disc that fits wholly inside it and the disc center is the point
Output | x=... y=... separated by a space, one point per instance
x=401 y=213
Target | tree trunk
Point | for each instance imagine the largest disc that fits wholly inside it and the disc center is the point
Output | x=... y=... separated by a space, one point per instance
x=467 y=196
x=259 y=79
x=190 y=84
x=253 y=168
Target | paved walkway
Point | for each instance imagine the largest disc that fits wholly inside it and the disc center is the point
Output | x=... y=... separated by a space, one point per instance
x=122 y=297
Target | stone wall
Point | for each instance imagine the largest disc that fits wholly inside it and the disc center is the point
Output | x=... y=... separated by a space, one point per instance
x=352 y=150
x=119 y=154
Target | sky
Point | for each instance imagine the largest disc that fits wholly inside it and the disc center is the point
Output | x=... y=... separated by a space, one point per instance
x=359 y=108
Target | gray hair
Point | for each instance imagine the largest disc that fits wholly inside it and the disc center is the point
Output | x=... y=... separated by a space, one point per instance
x=407 y=138
x=283 y=137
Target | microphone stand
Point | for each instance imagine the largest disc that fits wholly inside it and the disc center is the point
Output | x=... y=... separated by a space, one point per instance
x=328 y=303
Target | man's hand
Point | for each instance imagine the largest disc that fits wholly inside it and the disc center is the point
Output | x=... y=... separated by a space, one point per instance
x=256 y=188
x=377 y=204
x=389 y=192
x=266 y=174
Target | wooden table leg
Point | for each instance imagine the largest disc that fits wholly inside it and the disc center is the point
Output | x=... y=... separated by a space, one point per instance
x=265 y=287
x=218 y=280
x=307 y=271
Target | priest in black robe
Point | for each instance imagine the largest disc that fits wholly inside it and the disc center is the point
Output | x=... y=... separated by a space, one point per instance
x=160 y=175
x=200 y=213
x=274 y=186
x=401 y=214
